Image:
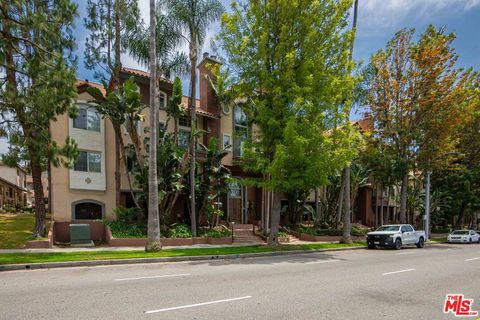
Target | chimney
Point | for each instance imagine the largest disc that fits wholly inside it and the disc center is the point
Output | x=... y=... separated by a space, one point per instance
x=208 y=100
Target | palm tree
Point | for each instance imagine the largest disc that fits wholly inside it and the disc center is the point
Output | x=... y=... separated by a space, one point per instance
x=168 y=61
x=346 y=237
x=193 y=17
x=153 y=241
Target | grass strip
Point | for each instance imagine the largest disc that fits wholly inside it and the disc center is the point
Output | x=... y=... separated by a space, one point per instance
x=16 y=258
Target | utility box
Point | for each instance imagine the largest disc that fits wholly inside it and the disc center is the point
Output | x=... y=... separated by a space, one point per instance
x=80 y=235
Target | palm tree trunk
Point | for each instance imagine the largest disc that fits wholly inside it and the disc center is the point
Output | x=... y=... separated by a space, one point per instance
x=346 y=238
x=381 y=206
x=403 y=199
x=153 y=241
x=339 y=216
x=193 y=139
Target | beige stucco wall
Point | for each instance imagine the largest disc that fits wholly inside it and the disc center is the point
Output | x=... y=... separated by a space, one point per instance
x=62 y=195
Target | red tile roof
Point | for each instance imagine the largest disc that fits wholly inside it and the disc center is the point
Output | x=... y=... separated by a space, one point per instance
x=141 y=73
x=85 y=83
x=198 y=109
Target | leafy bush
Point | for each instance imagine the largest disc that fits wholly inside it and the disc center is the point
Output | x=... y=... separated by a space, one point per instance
x=121 y=229
x=218 y=232
x=180 y=231
x=282 y=234
x=128 y=215
x=356 y=231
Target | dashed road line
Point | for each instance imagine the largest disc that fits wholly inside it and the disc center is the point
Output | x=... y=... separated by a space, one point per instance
x=154 y=277
x=399 y=271
x=198 y=304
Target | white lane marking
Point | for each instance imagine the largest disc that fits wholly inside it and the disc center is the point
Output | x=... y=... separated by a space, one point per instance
x=406 y=252
x=154 y=277
x=471 y=259
x=198 y=304
x=399 y=271
x=321 y=261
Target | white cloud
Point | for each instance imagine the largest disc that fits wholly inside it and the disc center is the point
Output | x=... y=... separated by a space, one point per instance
x=391 y=13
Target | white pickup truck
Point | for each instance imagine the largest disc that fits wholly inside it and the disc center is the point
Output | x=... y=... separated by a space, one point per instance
x=395 y=236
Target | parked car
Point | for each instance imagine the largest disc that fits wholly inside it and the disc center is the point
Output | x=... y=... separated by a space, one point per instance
x=463 y=236
x=395 y=236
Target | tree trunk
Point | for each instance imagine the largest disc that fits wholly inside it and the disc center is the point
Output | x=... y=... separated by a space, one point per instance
x=461 y=216
x=124 y=157
x=317 y=209
x=193 y=137
x=339 y=216
x=403 y=199
x=387 y=217
x=346 y=238
x=153 y=241
x=38 y=193
x=118 y=175
x=376 y=204
x=381 y=206
x=275 y=222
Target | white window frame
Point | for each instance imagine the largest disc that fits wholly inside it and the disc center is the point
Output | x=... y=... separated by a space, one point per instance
x=88 y=162
x=89 y=109
x=161 y=93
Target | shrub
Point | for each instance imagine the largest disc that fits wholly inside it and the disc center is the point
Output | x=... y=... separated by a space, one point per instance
x=128 y=215
x=121 y=229
x=218 y=232
x=356 y=231
x=180 y=231
x=282 y=234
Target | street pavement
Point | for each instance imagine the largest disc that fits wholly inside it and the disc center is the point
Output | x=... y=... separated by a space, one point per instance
x=363 y=284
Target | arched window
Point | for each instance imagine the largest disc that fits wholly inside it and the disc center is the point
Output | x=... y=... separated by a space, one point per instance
x=87 y=210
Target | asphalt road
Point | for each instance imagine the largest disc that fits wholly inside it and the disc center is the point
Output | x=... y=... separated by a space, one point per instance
x=364 y=284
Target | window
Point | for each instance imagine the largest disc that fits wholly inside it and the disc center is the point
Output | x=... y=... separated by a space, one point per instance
x=404 y=229
x=184 y=131
x=88 y=211
x=183 y=138
x=87 y=119
x=184 y=121
x=227 y=141
x=89 y=161
x=409 y=228
x=163 y=100
x=240 y=127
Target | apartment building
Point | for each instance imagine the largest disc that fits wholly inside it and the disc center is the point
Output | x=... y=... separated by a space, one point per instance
x=13 y=186
x=87 y=191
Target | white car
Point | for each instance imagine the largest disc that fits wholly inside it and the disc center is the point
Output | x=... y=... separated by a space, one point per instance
x=463 y=236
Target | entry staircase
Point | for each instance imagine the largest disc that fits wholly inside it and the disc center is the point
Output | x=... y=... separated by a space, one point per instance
x=243 y=234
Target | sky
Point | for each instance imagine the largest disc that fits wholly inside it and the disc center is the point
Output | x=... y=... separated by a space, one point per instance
x=378 y=20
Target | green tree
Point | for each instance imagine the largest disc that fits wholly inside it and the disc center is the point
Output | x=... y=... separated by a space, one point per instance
x=416 y=97
x=38 y=84
x=193 y=17
x=291 y=63
x=110 y=23
x=120 y=106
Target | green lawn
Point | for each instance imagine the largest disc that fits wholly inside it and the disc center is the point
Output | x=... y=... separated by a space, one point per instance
x=9 y=258
x=15 y=229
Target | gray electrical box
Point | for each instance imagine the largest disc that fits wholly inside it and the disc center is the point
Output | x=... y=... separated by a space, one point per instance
x=80 y=234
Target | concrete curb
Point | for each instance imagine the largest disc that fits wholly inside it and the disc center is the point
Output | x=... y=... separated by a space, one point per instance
x=90 y=263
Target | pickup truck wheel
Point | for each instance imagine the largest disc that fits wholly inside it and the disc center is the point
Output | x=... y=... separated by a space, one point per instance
x=371 y=246
x=398 y=244
x=421 y=243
